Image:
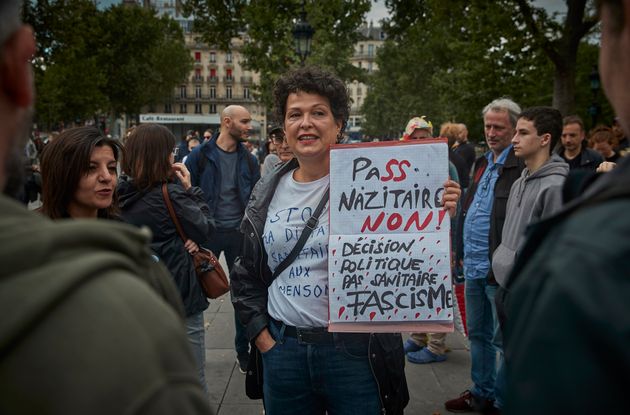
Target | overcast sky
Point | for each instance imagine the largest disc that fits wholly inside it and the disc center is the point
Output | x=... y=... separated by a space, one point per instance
x=379 y=11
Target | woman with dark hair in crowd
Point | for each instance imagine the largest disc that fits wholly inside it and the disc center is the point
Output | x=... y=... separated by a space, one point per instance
x=79 y=175
x=306 y=369
x=149 y=163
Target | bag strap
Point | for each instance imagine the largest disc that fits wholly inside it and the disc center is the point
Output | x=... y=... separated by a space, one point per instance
x=310 y=226
x=171 y=212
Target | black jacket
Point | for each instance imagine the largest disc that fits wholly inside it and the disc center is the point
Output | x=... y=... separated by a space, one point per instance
x=147 y=208
x=250 y=278
x=589 y=158
x=467 y=152
x=566 y=339
x=508 y=174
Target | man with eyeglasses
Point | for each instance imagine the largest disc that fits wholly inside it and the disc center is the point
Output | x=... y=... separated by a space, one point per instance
x=283 y=152
x=478 y=235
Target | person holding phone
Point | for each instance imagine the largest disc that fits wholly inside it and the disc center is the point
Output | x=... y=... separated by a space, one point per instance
x=149 y=161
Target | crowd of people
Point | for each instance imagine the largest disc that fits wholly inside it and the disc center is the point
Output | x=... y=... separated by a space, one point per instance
x=101 y=317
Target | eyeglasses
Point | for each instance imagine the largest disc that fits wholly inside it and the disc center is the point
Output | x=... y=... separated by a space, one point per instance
x=207 y=137
x=175 y=151
x=277 y=139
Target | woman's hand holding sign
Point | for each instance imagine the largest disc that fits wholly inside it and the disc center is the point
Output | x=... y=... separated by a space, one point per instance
x=452 y=193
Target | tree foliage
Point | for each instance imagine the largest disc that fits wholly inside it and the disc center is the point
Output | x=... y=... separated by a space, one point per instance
x=91 y=61
x=143 y=57
x=448 y=65
x=267 y=27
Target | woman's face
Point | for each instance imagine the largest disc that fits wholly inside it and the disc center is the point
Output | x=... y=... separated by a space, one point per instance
x=96 y=187
x=309 y=126
x=604 y=148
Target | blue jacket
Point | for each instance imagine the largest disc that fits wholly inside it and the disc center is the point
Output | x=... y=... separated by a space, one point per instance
x=205 y=172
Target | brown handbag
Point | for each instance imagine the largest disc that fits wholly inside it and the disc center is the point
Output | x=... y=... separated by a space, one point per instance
x=211 y=276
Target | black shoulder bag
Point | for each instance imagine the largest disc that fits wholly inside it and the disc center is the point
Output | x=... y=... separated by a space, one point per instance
x=254 y=376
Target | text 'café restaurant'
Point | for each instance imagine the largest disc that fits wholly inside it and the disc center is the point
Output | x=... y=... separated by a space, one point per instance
x=180 y=124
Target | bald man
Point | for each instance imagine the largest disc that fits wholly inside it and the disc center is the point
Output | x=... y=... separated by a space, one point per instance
x=227 y=173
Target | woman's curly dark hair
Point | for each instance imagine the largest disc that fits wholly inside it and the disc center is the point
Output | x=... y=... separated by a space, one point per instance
x=312 y=80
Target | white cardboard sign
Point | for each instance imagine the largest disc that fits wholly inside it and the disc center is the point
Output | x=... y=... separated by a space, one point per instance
x=389 y=251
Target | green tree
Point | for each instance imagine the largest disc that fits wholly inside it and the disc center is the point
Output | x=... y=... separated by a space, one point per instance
x=267 y=28
x=560 y=42
x=68 y=80
x=142 y=56
x=449 y=65
x=91 y=61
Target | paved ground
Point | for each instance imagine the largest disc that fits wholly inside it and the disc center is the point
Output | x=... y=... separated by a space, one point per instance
x=429 y=385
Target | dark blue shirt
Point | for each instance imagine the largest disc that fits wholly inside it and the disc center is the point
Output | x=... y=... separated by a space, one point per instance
x=229 y=211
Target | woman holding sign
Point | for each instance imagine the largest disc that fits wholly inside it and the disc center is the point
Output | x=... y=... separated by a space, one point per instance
x=280 y=283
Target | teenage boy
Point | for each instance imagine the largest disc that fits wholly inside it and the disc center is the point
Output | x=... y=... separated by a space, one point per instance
x=538 y=192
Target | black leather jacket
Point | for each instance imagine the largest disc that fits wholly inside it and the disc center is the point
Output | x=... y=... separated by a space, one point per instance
x=250 y=278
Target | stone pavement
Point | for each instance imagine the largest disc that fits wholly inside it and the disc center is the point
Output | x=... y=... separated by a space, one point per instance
x=429 y=385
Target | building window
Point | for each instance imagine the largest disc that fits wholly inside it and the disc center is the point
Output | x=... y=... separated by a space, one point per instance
x=197 y=74
x=213 y=57
x=168 y=108
x=228 y=92
x=228 y=57
x=213 y=92
x=246 y=93
x=370 y=50
x=213 y=73
x=197 y=91
x=360 y=49
x=183 y=109
x=213 y=108
x=197 y=56
x=228 y=74
x=197 y=108
x=182 y=92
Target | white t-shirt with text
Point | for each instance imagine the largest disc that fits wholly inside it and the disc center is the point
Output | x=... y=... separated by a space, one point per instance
x=299 y=295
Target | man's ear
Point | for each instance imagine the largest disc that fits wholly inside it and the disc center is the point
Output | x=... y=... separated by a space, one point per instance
x=545 y=140
x=16 y=75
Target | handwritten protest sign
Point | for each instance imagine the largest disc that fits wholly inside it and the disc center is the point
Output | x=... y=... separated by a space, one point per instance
x=389 y=248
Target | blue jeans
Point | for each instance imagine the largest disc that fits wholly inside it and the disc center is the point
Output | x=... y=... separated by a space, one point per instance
x=483 y=324
x=314 y=379
x=230 y=242
x=195 y=333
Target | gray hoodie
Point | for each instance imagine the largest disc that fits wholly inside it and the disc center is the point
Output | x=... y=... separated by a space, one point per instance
x=532 y=197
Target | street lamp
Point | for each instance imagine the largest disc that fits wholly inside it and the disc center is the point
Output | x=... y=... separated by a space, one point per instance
x=302 y=36
x=594 y=109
